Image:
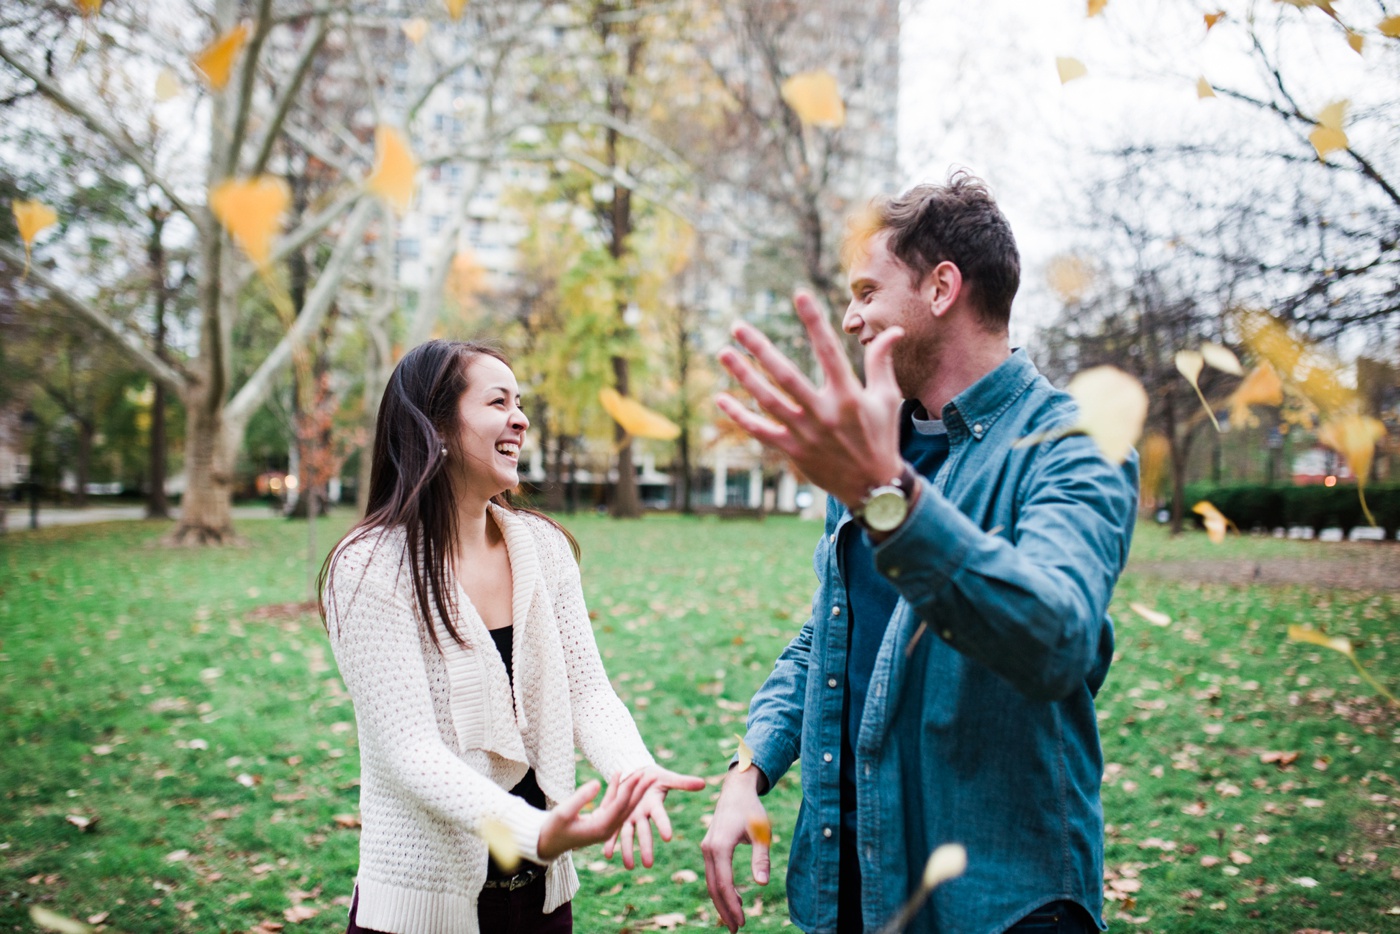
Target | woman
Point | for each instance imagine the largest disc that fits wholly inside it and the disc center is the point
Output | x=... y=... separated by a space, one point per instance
x=459 y=626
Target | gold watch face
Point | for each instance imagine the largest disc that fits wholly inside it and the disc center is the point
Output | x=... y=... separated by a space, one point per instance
x=885 y=509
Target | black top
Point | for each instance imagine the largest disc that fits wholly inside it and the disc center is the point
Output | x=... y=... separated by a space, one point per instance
x=528 y=788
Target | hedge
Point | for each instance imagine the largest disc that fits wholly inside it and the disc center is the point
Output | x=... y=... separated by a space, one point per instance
x=1256 y=507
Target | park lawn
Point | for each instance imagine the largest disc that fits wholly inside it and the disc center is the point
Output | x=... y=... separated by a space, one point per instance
x=174 y=695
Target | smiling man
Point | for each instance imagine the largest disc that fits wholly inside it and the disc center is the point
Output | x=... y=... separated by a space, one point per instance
x=943 y=689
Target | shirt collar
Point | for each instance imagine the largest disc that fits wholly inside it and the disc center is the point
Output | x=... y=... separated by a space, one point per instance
x=974 y=411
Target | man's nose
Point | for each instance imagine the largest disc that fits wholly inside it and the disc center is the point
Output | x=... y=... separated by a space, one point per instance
x=851 y=321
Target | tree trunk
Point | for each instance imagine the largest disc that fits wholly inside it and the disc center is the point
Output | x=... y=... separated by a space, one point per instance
x=626 y=503
x=206 y=510
x=83 y=467
x=1178 y=462
x=157 y=506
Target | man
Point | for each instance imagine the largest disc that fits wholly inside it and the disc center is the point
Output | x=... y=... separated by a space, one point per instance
x=943 y=689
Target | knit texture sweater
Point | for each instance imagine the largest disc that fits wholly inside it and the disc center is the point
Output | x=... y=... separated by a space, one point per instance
x=443 y=735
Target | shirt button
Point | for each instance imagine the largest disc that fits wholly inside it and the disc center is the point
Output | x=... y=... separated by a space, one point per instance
x=948 y=635
x=826 y=832
x=831 y=537
x=894 y=572
x=867 y=769
x=977 y=429
x=836 y=611
x=831 y=682
x=826 y=757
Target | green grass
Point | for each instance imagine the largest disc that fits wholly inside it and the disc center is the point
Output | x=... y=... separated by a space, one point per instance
x=141 y=686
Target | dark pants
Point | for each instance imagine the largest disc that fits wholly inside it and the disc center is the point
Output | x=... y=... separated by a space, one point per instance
x=502 y=911
x=1055 y=918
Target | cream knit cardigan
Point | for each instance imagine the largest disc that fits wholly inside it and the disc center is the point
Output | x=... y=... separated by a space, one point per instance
x=442 y=738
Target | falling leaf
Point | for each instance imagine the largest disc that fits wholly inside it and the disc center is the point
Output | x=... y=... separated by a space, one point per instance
x=745 y=754
x=455 y=8
x=215 y=60
x=1155 y=617
x=1390 y=27
x=761 y=830
x=1302 y=367
x=1356 y=40
x=1203 y=88
x=1213 y=18
x=394 y=168
x=415 y=29
x=52 y=921
x=1190 y=363
x=251 y=211
x=1354 y=437
x=1222 y=359
x=1069 y=276
x=1153 y=456
x=1069 y=69
x=1312 y=636
x=31 y=218
x=1096 y=6
x=1323 y=5
x=1215 y=521
x=816 y=99
x=636 y=419
x=1328 y=136
x=167 y=85
x=501 y=842
x=947 y=862
x=1261 y=386
x=89 y=8
x=1112 y=409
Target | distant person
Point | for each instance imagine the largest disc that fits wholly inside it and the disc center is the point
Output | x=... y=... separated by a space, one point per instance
x=459 y=625
x=943 y=690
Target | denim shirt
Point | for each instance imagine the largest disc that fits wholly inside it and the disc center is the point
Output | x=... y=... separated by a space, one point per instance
x=979 y=725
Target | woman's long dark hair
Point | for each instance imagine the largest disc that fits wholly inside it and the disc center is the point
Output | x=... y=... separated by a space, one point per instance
x=417 y=432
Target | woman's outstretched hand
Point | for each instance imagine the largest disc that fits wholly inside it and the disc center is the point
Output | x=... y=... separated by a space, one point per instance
x=567 y=829
x=650 y=810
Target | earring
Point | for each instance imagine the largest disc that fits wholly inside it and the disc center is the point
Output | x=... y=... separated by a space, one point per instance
x=444 y=450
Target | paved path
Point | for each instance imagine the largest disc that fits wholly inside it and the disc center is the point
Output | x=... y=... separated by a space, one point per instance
x=17 y=515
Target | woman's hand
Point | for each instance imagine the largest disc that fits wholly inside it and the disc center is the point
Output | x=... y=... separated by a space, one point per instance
x=651 y=809
x=566 y=829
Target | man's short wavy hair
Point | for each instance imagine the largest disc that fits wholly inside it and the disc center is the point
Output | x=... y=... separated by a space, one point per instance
x=957 y=222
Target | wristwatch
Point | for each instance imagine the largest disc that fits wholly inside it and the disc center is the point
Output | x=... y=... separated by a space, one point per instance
x=884 y=507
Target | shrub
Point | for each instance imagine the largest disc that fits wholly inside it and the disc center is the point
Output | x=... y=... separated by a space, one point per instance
x=1257 y=507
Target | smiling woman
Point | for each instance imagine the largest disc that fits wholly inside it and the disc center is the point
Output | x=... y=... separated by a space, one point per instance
x=434 y=602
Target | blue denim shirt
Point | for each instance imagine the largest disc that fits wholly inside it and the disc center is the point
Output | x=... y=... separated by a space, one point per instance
x=979 y=726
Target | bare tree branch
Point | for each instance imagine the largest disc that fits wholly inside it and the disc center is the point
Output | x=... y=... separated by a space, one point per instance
x=289 y=91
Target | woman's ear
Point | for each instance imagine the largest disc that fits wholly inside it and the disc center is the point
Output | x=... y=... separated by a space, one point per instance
x=941 y=287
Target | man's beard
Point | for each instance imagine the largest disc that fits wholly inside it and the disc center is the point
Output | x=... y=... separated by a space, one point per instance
x=916 y=357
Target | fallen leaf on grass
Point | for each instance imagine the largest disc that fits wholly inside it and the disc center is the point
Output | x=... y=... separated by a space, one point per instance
x=300 y=913
x=1307 y=882
x=98 y=918
x=84 y=824
x=1282 y=759
x=1154 y=617
x=347 y=821
x=667 y=922
x=267 y=927
x=683 y=876
x=177 y=856
x=52 y=921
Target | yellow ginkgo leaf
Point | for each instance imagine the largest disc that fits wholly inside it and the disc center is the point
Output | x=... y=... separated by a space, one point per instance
x=1190 y=363
x=32 y=217
x=1112 y=409
x=1354 y=437
x=251 y=211
x=167 y=85
x=1323 y=5
x=1333 y=115
x=1155 y=617
x=1069 y=277
x=946 y=862
x=1317 y=637
x=455 y=8
x=1069 y=69
x=761 y=830
x=816 y=99
x=1096 y=6
x=1203 y=88
x=1390 y=27
x=501 y=844
x=745 y=758
x=88 y=8
x=1309 y=372
x=394 y=168
x=1261 y=386
x=1222 y=359
x=1213 y=18
x=53 y=921
x=1153 y=458
x=636 y=419
x=1215 y=521
x=415 y=29
x=215 y=60
x=1327 y=140
x=1356 y=40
